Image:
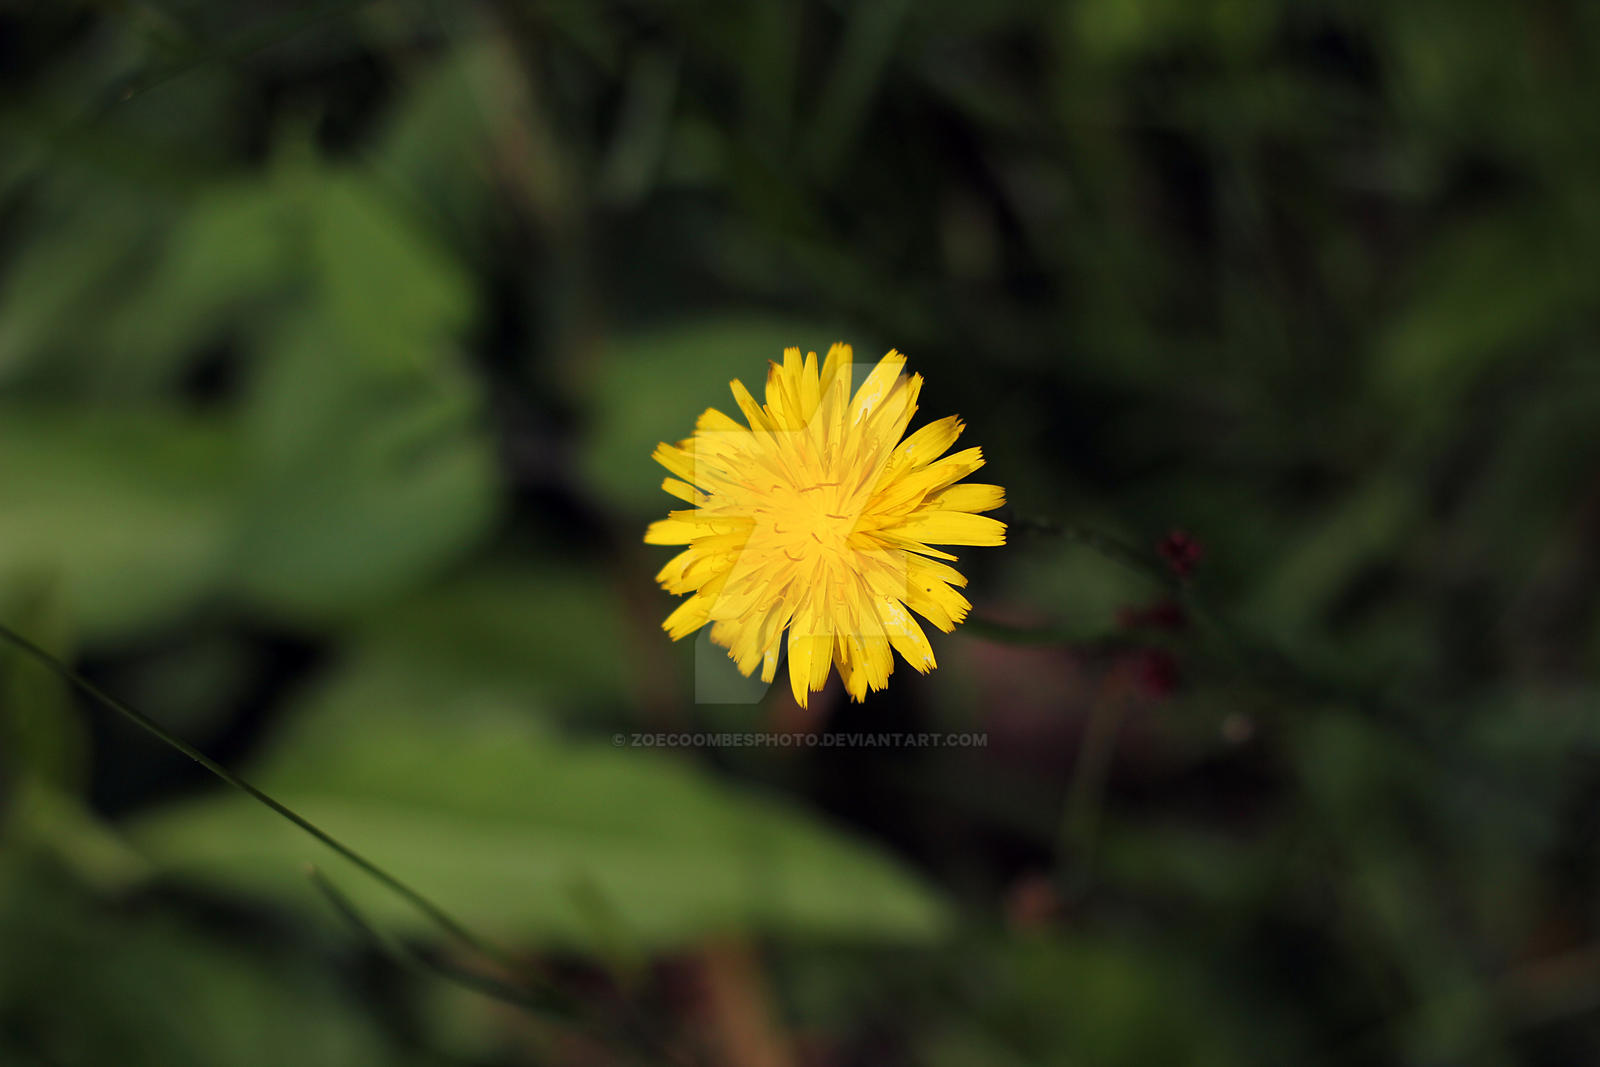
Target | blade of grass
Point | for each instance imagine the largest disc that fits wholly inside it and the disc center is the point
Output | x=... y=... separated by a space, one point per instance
x=543 y=998
x=433 y=912
x=547 y=999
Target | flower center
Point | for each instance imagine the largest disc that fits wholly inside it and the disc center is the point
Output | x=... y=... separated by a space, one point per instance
x=806 y=520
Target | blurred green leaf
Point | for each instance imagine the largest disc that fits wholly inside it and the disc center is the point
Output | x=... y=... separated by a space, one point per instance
x=43 y=737
x=75 y=265
x=871 y=30
x=1133 y=1003
x=1373 y=800
x=234 y=245
x=1190 y=863
x=84 y=985
x=1488 y=291
x=508 y=629
x=518 y=831
x=130 y=513
x=361 y=480
x=1125 y=29
x=45 y=820
x=437 y=146
x=1072 y=588
x=395 y=298
x=1370 y=524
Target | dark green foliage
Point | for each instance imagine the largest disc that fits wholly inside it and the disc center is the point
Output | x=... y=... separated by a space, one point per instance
x=334 y=340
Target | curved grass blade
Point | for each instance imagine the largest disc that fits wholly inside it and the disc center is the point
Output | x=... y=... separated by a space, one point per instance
x=434 y=913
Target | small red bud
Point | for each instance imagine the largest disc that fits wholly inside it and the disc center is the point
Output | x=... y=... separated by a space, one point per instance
x=1032 y=902
x=1182 y=552
x=1154 y=671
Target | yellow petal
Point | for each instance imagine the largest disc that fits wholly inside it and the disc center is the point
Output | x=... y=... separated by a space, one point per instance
x=970 y=496
x=877 y=660
x=930 y=442
x=946 y=471
x=952 y=528
x=671 y=532
x=809 y=661
x=907 y=637
x=688 y=616
x=850 y=673
x=938 y=603
x=671 y=576
x=917 y=547
x=836 y=368
x=684 y=491
x=752 y=411
x=810 y=387
x=923 y=571
x=713 y=421
x=783 y=392
x=676 y=459
x=876 y=388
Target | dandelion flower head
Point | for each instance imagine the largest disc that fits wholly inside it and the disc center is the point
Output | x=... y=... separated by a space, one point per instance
x=816 y=518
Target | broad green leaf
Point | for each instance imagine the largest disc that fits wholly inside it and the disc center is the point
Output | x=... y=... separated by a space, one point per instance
x=395 y=298
x=234 y=245
x=42 y=819
x=510 y=629
x=128 y=513
x=437 y=143
x=66 y=274
x=362 y=481
x=520 y=832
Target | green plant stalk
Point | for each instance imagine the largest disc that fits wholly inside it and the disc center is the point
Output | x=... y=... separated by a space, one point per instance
x=1257 y=659
x=417 y=961
x=546 y=999
x=437 y=915
x=1264 y=661
x=1080 y=817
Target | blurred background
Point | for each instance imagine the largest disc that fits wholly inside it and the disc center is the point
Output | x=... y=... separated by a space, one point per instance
x=334 y=341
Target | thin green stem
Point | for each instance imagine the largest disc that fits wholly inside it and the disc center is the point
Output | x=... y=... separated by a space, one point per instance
x=545 y=999
x=441 y=918
x=1112 y=548
x=1038 y=636
x=412 y=959
x=1080 y=818
x=1263 y=660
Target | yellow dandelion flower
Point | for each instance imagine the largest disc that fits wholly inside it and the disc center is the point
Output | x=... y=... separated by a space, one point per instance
x=816 y=518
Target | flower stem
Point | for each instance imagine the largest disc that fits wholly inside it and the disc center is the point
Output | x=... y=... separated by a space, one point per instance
x=1080 y=818
x=1264 y=661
